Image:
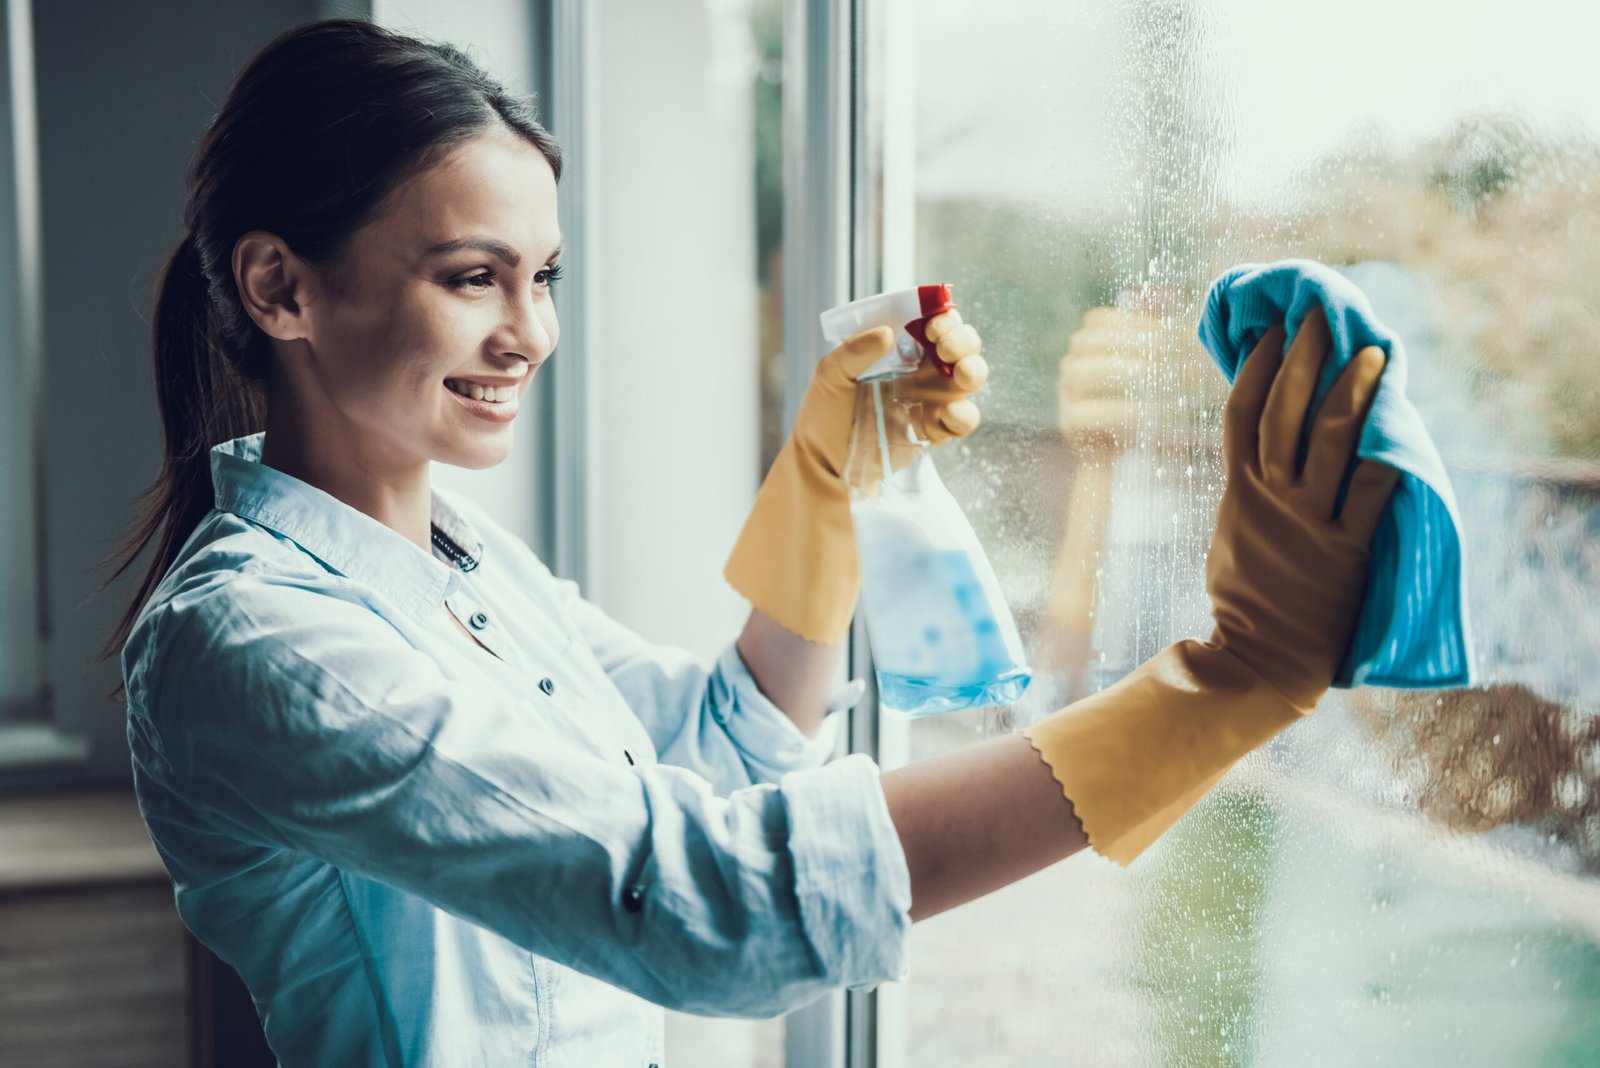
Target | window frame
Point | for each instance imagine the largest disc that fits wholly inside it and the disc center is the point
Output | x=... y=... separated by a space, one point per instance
x=566 y=426
x=848 y=139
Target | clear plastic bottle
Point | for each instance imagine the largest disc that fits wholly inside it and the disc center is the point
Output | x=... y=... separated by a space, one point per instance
x=942 y=636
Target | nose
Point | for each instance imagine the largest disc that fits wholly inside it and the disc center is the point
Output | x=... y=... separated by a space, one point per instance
x=529 y=328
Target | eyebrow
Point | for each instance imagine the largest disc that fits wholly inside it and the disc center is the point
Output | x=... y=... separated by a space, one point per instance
x=485 y=244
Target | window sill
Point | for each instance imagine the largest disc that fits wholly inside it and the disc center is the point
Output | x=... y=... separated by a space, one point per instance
x=29 y=746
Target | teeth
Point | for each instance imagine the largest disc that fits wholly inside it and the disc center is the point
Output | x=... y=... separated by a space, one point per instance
x=494 y=395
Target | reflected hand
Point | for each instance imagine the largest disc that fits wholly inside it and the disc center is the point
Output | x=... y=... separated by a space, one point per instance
x=1097 y=383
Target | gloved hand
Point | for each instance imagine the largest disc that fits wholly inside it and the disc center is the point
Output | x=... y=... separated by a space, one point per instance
x=796 y=557
x=1286 y=574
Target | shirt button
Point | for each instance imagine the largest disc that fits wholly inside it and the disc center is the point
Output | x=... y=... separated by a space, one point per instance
x=478 y=621
x=633 y=900
x=548 y=686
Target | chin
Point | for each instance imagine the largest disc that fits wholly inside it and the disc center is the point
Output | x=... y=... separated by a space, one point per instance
x=479 y=456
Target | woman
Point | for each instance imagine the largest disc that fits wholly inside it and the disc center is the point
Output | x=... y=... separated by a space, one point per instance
x=433 y=806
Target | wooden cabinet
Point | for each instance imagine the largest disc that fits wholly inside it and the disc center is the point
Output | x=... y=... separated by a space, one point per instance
x=95 y=967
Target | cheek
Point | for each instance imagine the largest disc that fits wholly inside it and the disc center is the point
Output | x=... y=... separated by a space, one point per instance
x=431 y=341
x=376 y=344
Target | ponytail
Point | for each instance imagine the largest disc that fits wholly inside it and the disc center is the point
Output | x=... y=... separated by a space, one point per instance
x=204 y=400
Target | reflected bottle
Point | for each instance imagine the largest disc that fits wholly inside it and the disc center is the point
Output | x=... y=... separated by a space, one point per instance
x=942 y=637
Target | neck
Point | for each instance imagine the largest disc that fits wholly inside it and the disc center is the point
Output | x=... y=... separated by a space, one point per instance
x=334 y=459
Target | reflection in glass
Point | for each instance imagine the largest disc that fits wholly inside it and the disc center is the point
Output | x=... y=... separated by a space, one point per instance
x=1407 y=877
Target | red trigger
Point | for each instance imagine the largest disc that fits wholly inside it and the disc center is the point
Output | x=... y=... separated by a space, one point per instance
x=935 y=300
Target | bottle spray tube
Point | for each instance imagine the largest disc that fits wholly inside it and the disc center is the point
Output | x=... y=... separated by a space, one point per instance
x=942 y=637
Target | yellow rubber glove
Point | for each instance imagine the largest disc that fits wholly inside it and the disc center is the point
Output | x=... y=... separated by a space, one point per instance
x=796 y=556
x=1286 y=576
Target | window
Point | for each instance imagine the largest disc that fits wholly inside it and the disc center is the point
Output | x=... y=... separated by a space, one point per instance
x=1405 y=876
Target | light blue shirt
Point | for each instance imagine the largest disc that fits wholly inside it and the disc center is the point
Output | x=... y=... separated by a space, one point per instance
x=418 y=853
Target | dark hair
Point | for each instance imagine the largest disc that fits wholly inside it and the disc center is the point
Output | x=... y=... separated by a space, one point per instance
x=315 y=132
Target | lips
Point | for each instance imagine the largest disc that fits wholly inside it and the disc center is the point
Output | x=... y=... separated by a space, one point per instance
x=493 y=411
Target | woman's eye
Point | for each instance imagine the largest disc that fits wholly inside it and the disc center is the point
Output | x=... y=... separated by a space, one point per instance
x=485 y=279
x=479 y=281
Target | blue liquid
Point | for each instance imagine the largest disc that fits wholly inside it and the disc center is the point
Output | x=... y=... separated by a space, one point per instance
x=913 y=698
x=920 y=674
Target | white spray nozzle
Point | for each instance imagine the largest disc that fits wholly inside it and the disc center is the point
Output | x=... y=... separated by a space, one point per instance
x=904 y=311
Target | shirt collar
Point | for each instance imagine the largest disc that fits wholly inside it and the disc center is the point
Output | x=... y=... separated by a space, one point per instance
x=345 y=539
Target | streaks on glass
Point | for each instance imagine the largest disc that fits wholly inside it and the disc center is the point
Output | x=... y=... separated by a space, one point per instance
x=1172 y=126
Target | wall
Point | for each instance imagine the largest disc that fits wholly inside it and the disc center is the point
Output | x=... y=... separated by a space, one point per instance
x=124 y=92
x=676 y=307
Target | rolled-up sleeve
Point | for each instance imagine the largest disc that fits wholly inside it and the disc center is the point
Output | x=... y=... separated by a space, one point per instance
x=847 y=876
x=300 y=721
x=767 y=739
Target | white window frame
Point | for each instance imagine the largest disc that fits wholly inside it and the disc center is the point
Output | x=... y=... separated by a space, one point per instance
x=848 y=211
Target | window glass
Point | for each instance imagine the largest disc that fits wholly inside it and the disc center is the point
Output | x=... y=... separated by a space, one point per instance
x=1406 y=876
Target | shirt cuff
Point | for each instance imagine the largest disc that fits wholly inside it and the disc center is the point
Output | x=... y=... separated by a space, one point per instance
x=851 y=879
x=768 y=740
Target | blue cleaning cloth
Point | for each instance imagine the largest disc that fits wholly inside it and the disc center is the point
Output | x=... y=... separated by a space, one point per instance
x=1412 y=632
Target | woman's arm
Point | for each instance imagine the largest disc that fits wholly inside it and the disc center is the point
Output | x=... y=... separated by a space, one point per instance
x=796 y=675
x=269 y=713
x=978 y=819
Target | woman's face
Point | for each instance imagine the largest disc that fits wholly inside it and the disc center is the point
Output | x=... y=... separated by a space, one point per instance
x=427 y=331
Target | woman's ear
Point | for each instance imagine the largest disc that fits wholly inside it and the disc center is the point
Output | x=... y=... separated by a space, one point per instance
x=273 y=284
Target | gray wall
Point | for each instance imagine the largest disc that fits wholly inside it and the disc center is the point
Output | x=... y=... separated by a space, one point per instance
x=124 y=92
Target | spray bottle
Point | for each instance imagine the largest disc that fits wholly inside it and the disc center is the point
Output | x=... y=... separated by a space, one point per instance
x=942 y=637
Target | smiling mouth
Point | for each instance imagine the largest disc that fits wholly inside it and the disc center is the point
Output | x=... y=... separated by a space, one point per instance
x=487 y=394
